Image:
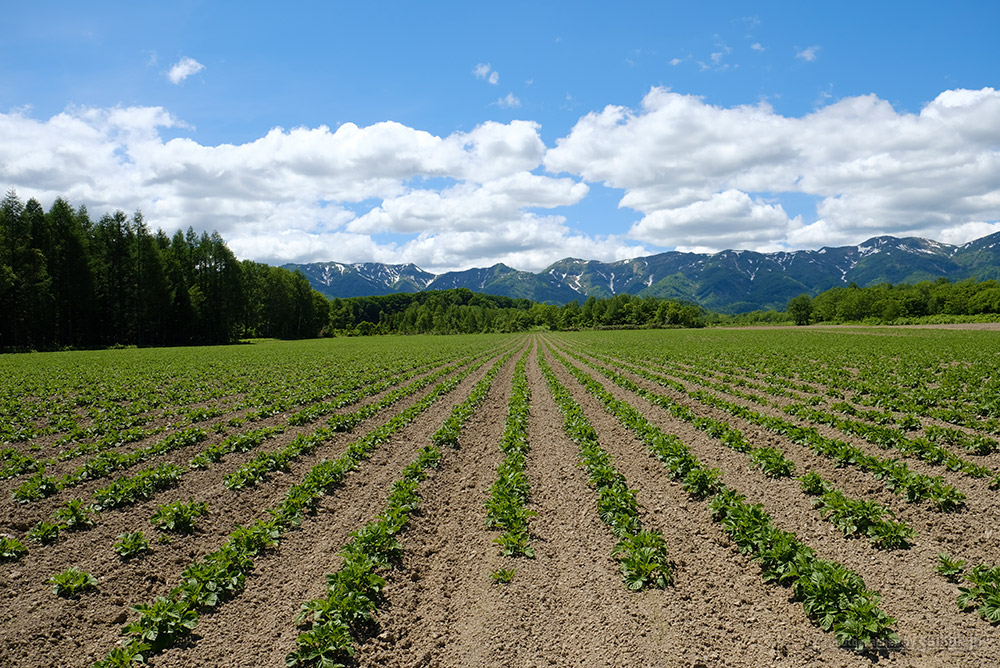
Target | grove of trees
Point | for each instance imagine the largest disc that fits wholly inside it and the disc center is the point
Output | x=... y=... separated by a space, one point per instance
x=67 y=281
x=887 y=303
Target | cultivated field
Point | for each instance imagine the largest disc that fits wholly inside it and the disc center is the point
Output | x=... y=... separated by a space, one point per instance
x=787 y=497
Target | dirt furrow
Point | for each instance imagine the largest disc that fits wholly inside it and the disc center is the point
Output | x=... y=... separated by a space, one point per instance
x=936 y=632
x=79 y=631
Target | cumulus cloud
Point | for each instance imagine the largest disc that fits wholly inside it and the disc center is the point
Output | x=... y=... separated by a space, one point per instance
x=310 y=194
x=699 y=176
x=705 y=176
x=808 y=54
x=184 y=68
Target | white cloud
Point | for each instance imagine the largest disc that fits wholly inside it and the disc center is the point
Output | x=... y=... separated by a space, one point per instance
x=757 y=46
x=809 y=54
x=721 y=217
x=509 y=101
x=676 y=61
x=699 y=176
x=184 y=68
x=484 y=71
x=310 y=194
x=707 y=176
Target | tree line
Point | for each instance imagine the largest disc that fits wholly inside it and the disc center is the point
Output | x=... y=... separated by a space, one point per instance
x=67 y=281
x=461 y=311
x=887 y=303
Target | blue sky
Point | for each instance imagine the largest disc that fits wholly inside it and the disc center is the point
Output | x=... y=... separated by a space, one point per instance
x=462 y=134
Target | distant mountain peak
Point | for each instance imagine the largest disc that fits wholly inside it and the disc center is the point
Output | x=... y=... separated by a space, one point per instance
x=730 y=281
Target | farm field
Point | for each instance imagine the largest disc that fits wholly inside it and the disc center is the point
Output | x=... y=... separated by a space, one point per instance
x=788 y=497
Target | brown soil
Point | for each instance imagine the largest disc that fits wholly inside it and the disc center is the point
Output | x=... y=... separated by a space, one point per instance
x=937 y=634
x=566 y=607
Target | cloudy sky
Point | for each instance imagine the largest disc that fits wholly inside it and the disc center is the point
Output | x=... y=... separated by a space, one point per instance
x=453 y=134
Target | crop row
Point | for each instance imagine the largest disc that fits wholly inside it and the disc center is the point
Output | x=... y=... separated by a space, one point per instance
x=853 y=516
x=834 y=597
x=771 y=461
x=256 y=470
x=642 y=554
x=924 y=449
x=888 y=437
x=40 y=486
x=505 y=507
x=221 y=574
x=334 y=622
x=895 y=475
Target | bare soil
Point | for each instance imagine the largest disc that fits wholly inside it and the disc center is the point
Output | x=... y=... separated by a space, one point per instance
x=568 y=606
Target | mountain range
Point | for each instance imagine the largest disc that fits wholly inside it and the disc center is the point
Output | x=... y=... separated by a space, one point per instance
x=731 y=281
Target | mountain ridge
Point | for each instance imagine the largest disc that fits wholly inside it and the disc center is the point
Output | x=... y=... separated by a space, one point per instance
x=730 y=281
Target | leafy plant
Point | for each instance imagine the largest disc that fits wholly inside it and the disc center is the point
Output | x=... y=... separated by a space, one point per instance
x=125 y=656
x=949 y=567
x=38 y=486
x=502 y=575
x=161 y=622
x=327 y=645
x=71 y=582
x=44 y=533
x=644 y=561
x=178 y=516
x=74 y=515
x=983 y=591
x=701 y=483
x=11 y=549
x=131 y=544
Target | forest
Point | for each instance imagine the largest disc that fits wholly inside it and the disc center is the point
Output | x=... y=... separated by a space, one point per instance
x=886 y=303
x=69 y=282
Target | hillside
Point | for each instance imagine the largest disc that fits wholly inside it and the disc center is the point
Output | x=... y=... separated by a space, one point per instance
x=730 y=281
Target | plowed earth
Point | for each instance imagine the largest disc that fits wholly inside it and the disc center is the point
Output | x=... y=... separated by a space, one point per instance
x=566 y=607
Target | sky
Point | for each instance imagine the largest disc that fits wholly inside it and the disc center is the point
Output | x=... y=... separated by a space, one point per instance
x=456 y=135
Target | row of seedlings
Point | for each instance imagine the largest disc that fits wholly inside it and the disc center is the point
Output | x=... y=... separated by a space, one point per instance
x=642 y=554
x=895 y=475
x=854 y=517
x=221 y=575
x=129 y=490
x=505 y=508
x=257 y=469
x=832 y=596
x=335 y=622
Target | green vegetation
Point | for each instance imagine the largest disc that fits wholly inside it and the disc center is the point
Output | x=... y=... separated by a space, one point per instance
x=502 y=575
x=833 y=596
x=927 y=301
x=11 y=549
x=982 y=592
x=178 y=516
x=131 y=544
x=642 y=554
x=74 y=515
x=72 y=582
x=950 y=567
x=79 y=283
x=505 y=508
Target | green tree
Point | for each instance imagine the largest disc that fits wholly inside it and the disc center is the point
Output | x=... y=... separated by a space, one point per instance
x=800 y=309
